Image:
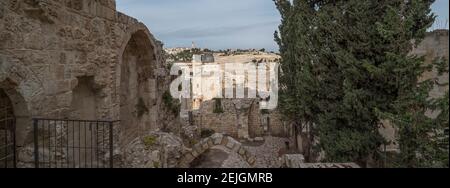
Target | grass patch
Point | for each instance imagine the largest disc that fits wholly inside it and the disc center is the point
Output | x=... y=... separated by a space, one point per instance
x=149 y=141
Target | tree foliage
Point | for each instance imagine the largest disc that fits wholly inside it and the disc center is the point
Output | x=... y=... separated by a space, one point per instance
x=344 y=62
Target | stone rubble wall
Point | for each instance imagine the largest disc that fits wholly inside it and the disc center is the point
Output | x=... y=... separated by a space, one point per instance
x=47 y=45
x=216 y=140
x=241 y=119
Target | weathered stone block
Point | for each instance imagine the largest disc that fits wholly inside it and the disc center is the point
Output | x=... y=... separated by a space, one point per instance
x=251 y=161
x=62 y=86
x=59 y=72
x=198 y=148
x=259 y=139
x=195 y=153
x=236 y=147
x=189 y=157
x=205 y=146
x=217 y=138
x=210 y=143
x=230 y=145
x=242 y=151
x=224 y=141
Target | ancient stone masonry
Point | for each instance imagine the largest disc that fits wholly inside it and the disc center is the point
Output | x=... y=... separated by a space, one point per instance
x=216 y=140
x=241 y=119
x=80 y=60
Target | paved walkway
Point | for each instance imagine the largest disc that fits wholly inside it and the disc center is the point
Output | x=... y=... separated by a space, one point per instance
x=267 y=155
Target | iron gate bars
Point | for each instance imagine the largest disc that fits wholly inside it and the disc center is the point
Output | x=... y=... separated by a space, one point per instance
x=7 y=143
x=7 y=132
x=63 y=143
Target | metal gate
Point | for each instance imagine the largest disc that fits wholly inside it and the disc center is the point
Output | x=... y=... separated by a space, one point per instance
x=62 y=143
x=7 y=132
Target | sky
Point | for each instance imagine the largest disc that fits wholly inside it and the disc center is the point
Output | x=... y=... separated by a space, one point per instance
x=220 y=24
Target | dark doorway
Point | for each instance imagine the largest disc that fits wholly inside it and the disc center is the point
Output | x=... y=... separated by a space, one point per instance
x=7 y=132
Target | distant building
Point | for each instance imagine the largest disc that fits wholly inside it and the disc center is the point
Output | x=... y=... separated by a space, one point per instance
x=207 y=58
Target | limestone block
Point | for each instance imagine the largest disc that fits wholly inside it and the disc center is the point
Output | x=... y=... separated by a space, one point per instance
x=217 y=138
x=152 y=88
x=64 y=99
x=248 y=155
x=34 y=41
x=205 y=146
x=50 y=87
x=242 y=151
x=224 y=141
x=195 y=153
x=259 y=139
x=229 y=145
x=237 y=147
x=59 y=72
x=62 y=86
x=251 y=160
x=210 y=142
x=105 y=12
x=189 y=157
x=198 y=148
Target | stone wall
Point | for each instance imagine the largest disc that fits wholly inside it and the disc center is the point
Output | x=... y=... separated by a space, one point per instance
x=241 y=118
x=61 y=57
x=216 y=140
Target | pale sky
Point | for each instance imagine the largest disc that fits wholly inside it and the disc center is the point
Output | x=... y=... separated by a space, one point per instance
x=220 y=24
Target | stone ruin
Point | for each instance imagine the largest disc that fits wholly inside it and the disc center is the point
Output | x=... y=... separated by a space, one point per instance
x=72 y=59
x=80 y=59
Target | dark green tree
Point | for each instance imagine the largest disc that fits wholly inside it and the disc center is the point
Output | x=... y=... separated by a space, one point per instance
x=422 y=140
x=343 y=61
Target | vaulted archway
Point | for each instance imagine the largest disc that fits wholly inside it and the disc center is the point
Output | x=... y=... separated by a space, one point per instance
x=226 y=142
x=15 y=122
x=137 y=86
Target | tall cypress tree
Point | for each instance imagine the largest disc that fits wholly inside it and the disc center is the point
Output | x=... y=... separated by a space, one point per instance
x=422 y=140
x=343 y=62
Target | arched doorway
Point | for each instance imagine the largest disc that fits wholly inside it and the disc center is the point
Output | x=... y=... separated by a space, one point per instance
x=15 y=124
x=136 y=78
x=7 y=132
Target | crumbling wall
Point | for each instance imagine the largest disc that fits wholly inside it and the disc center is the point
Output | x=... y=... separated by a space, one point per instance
x=240 y=118
x=48 y=46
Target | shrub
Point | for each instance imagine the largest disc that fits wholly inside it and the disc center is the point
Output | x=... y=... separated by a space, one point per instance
x=171 y=103
x=218 y=109
x=149 y=141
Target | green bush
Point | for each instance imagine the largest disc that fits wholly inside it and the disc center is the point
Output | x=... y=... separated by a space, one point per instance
x=171 y=103
x=218 y=109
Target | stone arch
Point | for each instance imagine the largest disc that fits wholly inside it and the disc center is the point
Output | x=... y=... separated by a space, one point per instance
x=216 y=140
x=138 y=59
x=21 y=112
x=23 y=88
